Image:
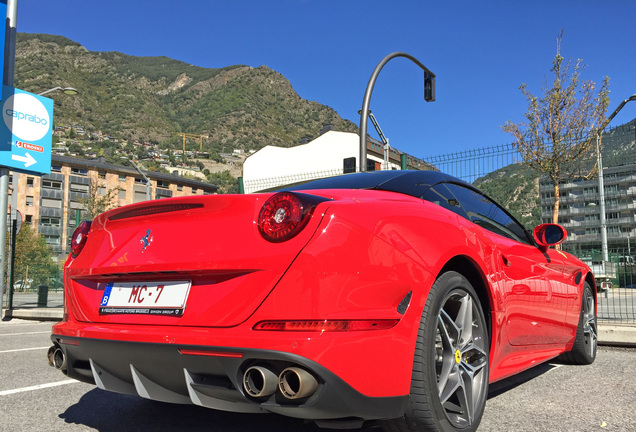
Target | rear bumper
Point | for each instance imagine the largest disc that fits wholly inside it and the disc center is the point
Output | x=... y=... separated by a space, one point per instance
x=212 y=377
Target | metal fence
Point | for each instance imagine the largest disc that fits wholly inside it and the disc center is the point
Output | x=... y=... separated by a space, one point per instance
x=39 y=287
x=262 y=184
x=470 y=165
x=580 y=211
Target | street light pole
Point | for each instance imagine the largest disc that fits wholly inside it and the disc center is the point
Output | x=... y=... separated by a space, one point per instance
x=429 y=96
x=601 y=184
x=146 y=179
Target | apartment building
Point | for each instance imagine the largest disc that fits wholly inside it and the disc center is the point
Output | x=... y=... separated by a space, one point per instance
x=580 y=212
x=51 y=202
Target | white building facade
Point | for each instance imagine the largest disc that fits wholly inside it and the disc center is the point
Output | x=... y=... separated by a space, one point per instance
x=330 y=154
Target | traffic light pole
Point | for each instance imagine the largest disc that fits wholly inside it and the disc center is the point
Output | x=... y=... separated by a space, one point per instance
x=429 y=96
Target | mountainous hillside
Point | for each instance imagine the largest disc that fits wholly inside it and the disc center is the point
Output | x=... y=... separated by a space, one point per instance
x=516 y=187
x=151 y=98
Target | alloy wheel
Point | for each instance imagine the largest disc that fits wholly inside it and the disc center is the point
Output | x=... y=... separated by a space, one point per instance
x=461 y=358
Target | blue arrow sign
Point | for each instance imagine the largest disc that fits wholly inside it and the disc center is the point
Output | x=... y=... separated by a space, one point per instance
x=26 y=131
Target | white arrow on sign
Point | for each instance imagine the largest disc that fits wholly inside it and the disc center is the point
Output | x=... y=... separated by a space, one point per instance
x=27 y=159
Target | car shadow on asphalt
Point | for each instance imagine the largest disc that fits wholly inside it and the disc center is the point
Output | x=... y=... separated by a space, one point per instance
x=111 y=412
x=507 y=384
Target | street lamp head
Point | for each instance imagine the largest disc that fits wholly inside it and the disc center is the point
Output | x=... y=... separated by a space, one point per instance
x=632 y=97
x=67 y=90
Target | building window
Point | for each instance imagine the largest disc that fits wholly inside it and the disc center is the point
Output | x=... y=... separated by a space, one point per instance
x=121 y=194
x=52 y=239
x=50 y=221
x=84 y=188
x=56 y=168
x=29 y=181
x=122 y=177
x=28 y=219
x=612 y=188
x=51 y=184
x=52 y=203
x=79 y=171
x=29 y=201
x=101 y=175
x=349 y=165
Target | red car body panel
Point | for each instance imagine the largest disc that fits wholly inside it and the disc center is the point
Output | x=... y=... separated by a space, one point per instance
x=360 y=255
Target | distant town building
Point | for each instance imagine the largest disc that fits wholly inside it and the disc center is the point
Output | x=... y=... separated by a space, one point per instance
x=332 y=153
x=579 y=210
x=50 y=202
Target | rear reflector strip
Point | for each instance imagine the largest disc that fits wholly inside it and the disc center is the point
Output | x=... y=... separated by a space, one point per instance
x=155 y=209
x=327 y=325
x=211 y=353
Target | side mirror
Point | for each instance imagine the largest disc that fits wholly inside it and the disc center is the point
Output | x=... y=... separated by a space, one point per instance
x=547 y=235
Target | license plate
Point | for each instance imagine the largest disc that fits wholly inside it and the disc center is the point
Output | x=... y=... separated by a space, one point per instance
x=149 y=298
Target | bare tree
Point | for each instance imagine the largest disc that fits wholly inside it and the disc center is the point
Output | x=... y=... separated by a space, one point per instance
x=97 y=202
x=558 y=136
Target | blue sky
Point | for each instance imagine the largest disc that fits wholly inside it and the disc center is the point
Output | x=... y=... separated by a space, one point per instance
x=481 y=52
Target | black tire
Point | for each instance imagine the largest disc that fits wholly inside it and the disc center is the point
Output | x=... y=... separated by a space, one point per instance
x=584 y=349
x=451 y=357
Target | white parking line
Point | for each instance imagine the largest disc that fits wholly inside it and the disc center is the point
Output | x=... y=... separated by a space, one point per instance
x=36 y=387
x=24 y=334
x=24 y=349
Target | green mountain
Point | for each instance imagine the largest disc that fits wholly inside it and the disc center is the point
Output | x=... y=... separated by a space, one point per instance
x=516 y=187
x=152 y=98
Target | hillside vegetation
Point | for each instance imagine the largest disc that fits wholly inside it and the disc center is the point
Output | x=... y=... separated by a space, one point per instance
x=151 y=98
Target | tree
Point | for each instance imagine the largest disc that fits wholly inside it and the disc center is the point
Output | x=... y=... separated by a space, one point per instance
x=96 y=204
x=558 y=136
x=33 y=264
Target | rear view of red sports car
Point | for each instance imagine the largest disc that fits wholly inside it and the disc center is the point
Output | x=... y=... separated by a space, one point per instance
x=393 y=296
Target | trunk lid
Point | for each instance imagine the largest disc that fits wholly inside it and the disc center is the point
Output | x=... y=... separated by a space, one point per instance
x=211 y=243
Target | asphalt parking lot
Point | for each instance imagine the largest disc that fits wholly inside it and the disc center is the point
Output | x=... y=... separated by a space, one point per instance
x=549 y=397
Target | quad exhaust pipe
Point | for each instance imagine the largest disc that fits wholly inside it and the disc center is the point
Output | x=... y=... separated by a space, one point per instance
x=56 y=358
x=293 y=382
x=260 y=382
x=296 y=383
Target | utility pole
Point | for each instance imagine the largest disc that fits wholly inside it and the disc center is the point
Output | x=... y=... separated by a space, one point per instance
x=8 y=79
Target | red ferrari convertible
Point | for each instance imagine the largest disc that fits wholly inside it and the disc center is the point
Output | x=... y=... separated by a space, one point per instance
x=392 y=296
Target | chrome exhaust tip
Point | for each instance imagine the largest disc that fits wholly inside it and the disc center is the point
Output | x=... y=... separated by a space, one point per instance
x=297 y=383
x=50 y=356
x=56 y=358
x=259 y=382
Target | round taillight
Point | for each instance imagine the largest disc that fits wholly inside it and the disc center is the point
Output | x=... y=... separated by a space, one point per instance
x=79 y=238
x=285 y=214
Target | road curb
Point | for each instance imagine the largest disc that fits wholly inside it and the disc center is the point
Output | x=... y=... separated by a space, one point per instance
x=617 y=335
x=38 y=314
